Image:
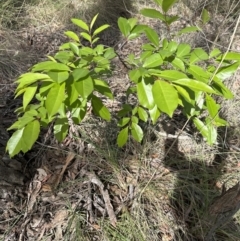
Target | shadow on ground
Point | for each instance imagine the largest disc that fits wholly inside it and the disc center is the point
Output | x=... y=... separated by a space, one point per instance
x=195 y=194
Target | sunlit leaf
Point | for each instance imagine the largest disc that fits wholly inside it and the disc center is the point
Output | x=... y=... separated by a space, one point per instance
x=80 y=23
x=165 y=96
x=55 y=97
x=136 y=132
x=29 y=94
x=122 y=137
x=145 y=96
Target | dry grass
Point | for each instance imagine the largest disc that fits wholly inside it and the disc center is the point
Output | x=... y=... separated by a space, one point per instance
x=169 y=205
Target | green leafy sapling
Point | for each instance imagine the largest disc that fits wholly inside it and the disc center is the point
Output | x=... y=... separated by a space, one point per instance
x=169 y=74
x=62 y=87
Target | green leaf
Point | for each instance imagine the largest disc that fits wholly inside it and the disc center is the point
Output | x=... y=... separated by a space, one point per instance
x=93 y=21
x=199 y=73
x=134 y=112
x=142 y=114
x=198 y=54
x=103 y=88
x=158 y=2
x=165 y=97
x=212 y=106
x=135 y=75
x=100 y=29
x=14 y=144
x=122 y=137
x=99 y=108
x=136 y=132
x=183 y=50
x=145 y=96
x=64 y=56
x=154 y=60
x=132 y=22
x=167 y=4
x=72 y=93
x=230 y=56
x=170 y=20
x=61 y=128
x=178 y=63
x=23 y=121
x=94 y=40
x=184 y=93
x=203 y=129
x=227 y=71
x=80 y=23
x=188 y=30
x=125 y=110
x=109 y=53
x=29 y=78
x=215 y=52
x=49 y=65
x=72 y=35
x=152 y=13
x=79 y=74
x=79 y=110
x=29 y=94
x=58 y=76
x=220 y=88
x=154 y=114
x=74 y=48
x=172 y=46
x=55 y=97
x=152 y=36
x=30 y=135
x=86 y=36
x=172 y=75
x=194 y=85
x=131 y=90
x=212 y=134
x=205 y=16
x=134 y=119
x=124 y=26
x=84 y=86
x=124 y=121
